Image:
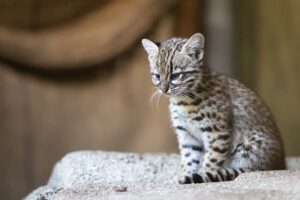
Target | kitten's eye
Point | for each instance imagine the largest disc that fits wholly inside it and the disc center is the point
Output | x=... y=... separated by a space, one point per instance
x=156 y=77
x=175 y=76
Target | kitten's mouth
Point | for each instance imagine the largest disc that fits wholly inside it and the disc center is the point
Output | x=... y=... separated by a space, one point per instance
x=170 y=93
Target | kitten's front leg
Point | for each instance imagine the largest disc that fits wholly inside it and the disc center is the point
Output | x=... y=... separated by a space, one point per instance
x=191 y=151
x=216 y=154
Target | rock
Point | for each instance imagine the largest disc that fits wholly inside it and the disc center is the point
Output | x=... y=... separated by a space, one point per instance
x=111 y=175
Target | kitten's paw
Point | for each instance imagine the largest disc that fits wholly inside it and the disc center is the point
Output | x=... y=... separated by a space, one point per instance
x=185 y=180
x=195 y=178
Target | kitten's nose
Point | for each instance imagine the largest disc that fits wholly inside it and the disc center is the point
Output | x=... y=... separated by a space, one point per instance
x=164 y=86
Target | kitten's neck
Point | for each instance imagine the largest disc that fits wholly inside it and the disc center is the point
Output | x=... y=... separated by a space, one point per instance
x=200 y=90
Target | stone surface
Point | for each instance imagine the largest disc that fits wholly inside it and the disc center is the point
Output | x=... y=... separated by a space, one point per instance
x=110 y=175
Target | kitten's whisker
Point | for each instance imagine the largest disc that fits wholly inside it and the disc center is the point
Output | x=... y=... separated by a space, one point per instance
x=157 y=101
x=154 y=95
x=155 y=89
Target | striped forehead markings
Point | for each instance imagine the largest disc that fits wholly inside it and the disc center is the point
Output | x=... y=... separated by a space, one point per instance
x=161 y=61
x=164 y=63
x=170 y=65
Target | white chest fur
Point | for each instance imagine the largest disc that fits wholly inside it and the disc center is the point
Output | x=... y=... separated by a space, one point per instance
x=182 y=115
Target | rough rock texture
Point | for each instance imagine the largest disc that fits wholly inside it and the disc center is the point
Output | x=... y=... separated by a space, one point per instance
x=110 y=175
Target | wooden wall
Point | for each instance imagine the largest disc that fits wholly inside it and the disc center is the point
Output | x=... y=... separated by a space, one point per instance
x=47 y=113
x=74 y=76
x=268 y=43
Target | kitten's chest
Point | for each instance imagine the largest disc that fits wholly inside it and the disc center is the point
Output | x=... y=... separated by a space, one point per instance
x=189 y=117
x=180 y=118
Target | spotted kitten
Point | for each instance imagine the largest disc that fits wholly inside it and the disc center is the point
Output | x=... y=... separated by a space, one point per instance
x=223 y=128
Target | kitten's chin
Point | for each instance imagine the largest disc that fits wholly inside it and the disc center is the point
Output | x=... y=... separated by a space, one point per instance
x=171 y=94
x=167 y=94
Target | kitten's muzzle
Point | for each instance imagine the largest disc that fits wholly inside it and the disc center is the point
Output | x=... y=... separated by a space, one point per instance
x=164 y=86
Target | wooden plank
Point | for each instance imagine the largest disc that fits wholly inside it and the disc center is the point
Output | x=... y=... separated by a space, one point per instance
x=269 y=45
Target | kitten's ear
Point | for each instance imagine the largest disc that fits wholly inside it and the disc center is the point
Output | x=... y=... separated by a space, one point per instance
x=150 y=47
x=194 y=46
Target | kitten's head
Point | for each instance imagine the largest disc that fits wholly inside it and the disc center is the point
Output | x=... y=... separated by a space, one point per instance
x=176 y=64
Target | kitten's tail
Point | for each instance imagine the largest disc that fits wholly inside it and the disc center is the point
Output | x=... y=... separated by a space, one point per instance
x=223 y=174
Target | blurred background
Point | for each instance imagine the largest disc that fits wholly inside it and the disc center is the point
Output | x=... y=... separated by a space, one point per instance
x=74 y=76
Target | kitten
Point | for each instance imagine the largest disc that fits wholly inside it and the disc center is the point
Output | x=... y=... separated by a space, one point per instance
x=223 y=128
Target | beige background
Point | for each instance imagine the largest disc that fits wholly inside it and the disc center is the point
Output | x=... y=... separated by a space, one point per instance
x=74 y=76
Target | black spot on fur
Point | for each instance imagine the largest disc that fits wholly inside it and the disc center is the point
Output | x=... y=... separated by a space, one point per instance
x=180 y=128
x=220 y=163
x=224 y=137
x=216 y=128
x=198 y=118
x=181 y=103
x=211 y=177
x=196 y=161
x=228 y=176
x=221 y=175
x=212 y=141
x=258 y=142
x=193 y=112
x=185 y=180
x=206 y=129
x=239 y=145
x=213 y=115
x=219 y=150
x=197 y=178
x=248 y=147
x=196 y=102
x=193 y=147
x=245 y=155
x=187 y=154
x=236 y=173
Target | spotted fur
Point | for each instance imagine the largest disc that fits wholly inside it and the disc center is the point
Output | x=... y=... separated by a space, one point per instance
x=223 y=128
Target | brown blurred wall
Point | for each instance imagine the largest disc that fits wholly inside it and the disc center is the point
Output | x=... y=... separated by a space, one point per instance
x=268 y=42
x=73 y=76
